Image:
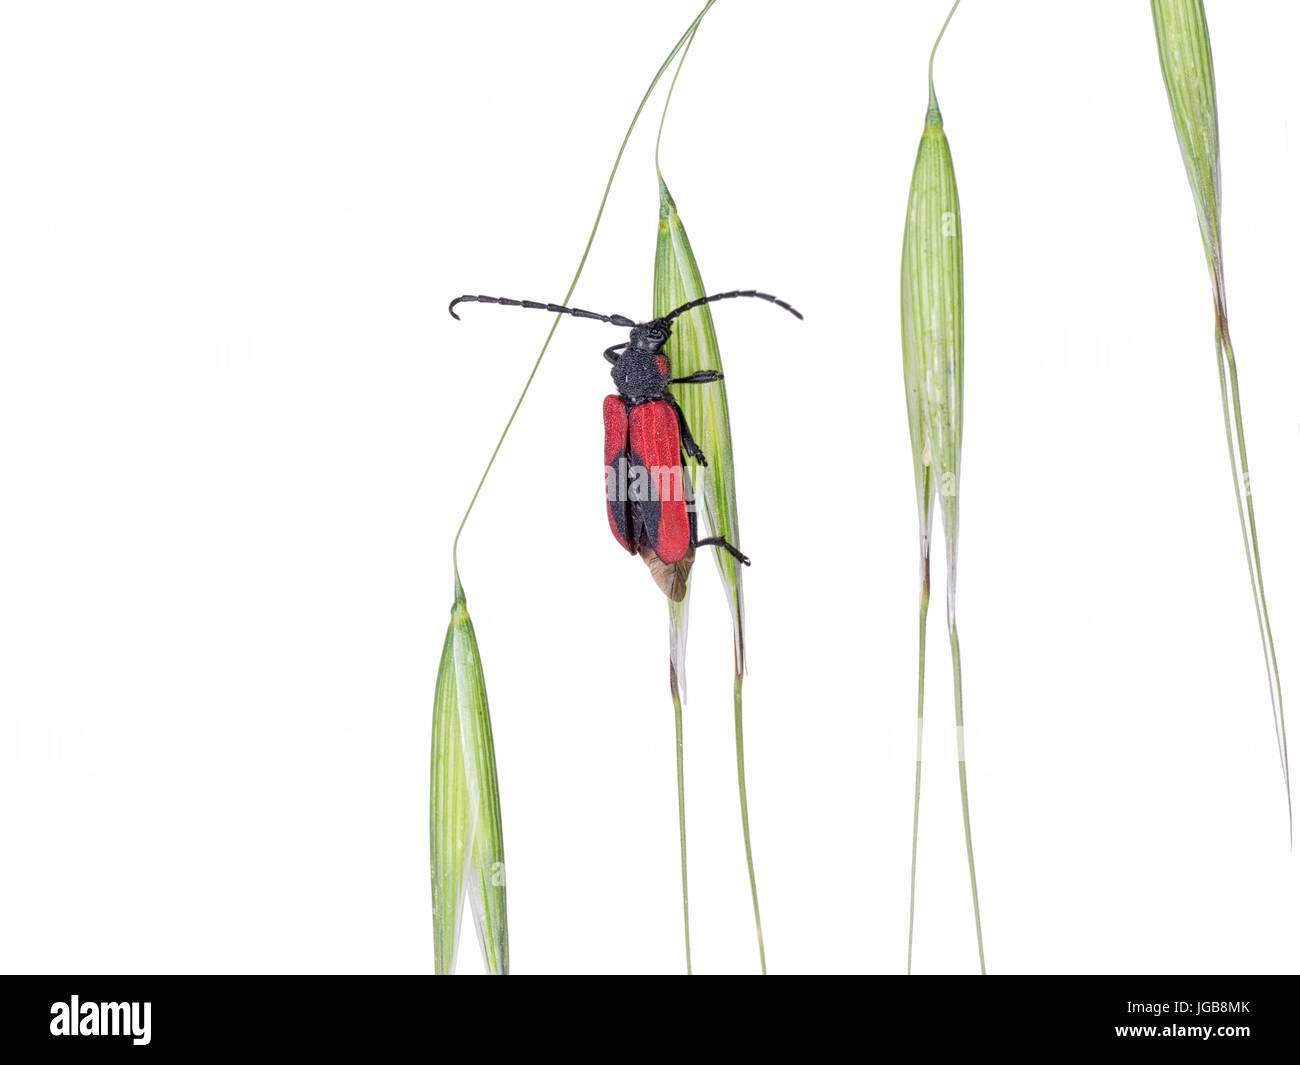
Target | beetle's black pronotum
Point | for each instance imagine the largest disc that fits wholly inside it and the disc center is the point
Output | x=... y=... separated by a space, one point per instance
x=645 y=436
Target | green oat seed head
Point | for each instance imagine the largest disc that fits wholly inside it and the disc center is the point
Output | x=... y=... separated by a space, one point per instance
x=933 y=330
x=933 y=376
x=466 y=852
x=694 y=347
x=1183 y=44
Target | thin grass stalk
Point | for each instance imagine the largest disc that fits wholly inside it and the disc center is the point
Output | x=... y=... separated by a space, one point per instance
x=920 y=726
x=933 y=327
x=577 y=274
x=1187 y=65
x=925 y=520
x=681 y=808
x=678 y=610
x=692 y=348
x=739 y=712
x=449 y=794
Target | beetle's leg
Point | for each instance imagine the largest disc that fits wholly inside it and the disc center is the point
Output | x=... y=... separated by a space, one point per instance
x=701 y=378
x=718 y=541
x=715 y=541
x=610 y=357
x=688 y=442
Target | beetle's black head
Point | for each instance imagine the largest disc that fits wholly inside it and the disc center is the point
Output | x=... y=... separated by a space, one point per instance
x=651 y=335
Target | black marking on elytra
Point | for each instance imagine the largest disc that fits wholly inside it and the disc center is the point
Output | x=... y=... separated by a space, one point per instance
x=642 y=374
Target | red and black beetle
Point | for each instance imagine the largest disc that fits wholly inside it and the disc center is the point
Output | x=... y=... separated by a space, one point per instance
x=645 y=437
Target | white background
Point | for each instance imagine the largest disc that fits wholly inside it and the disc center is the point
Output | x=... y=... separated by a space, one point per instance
x=238 y=429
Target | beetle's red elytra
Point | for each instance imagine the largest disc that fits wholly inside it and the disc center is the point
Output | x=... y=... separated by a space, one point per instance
x=647 y=440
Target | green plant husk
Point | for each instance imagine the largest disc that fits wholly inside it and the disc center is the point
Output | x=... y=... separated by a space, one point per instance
x=465 y=839
x=933 y=326
x=1187 y=64
x=692 y=348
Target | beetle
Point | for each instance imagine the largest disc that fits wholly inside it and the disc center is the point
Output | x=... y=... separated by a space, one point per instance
x=647 y=439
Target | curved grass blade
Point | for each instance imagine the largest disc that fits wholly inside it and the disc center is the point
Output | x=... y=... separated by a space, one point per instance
x=577 y=274
x=467 y=853
x=448 y=799
x=693 y=348
x=1187 y=64
x=933 y=372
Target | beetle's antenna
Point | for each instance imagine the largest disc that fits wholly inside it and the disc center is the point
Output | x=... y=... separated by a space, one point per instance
x=554 y=308
x=729 y=296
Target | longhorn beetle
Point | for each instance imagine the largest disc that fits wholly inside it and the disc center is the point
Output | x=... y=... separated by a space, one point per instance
x=645 y=437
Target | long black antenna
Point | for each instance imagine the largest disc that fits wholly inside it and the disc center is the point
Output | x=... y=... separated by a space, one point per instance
x=554 y=308
x=730 y=296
